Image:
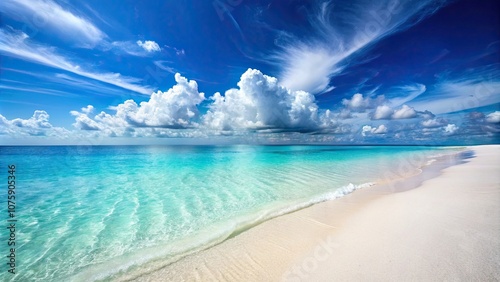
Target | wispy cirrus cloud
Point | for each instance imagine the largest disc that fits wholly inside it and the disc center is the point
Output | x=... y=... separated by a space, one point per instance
x=144 y=49
x=406 y=93
x=163 y=65
x=17 y=44
x=51 y=17
x=38 y=90
x=81 y=83
x=70 y=26
x=77 y=82
x=338 y=32
x=460 y=94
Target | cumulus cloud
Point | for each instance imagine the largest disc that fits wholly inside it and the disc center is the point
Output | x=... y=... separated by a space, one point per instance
x=172 y=109
x=358 y=103
x=404 y=112
x=433 y=123
x=37 y=125
x=82 y=121
x=40 y=119
x=261 y=103
x=450 y=129
x=175 y=108
x=51 y=17
x=426 y=114
x=149 y=45
x=383 y=112
x=381 y=129
x=330 y=123
x=493 y=117
x=386 y=112
x=88 y=109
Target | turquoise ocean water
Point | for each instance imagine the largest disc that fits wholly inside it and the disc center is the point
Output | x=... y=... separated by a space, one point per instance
x=85 y=213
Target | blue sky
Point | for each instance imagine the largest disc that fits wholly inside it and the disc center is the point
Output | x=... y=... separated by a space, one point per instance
x=235 y=71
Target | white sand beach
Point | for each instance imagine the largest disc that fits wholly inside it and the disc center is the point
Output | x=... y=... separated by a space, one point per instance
x=448 y=228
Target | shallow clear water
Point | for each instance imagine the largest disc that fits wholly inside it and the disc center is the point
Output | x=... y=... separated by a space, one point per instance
x=86 y=212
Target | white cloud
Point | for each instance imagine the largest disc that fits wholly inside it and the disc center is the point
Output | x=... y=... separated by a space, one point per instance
x=345 y=114
x=260 y=103
x=386 y=112
x=381 y=129
x=49 y=16
x=432 y=123
x=40 y=119
x=328 y=119
x=404 y=112
x=330 y=123
x=82 y=83
x=358 y=103
x=462 y=94
x=34 y=89
x=163 y=66
x=88 y=109
x=383 y=112
x=493 y=117
x=309 y=69
x=135 y=48
x=426 y=114
x=149 y=46
x=124 y=47
x=450 y=129
x=82 y=121
x=309 y=62
x=18 y=45
x=175 y=108
x=412 y=91
x=37 y=125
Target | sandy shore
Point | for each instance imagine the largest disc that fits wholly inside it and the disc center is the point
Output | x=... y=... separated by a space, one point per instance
x=446 y=229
